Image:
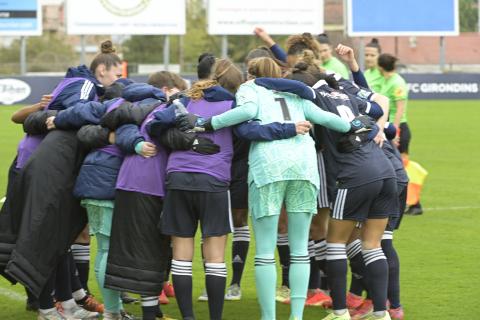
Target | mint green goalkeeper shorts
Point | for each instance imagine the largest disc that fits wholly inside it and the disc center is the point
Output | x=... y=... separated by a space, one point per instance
x=298 y=196
x=100 y=214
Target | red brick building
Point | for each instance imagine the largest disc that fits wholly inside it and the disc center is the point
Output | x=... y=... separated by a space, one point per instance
x=461 y=50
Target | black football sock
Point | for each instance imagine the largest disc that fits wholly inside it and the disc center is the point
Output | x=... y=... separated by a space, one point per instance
x=393 y=269
x=215 y=281
x=337 y=274
x=376 y=275
x=240 y=244
x=182 y=283
x=81 y=255
x=284 y=254
x=354 y=254
x=321 y=257
x=314 y=280
x=150 y=307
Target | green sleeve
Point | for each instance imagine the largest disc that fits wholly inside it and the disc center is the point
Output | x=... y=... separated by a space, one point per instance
x=247 y=108
x=237 y=115
x=399 y=91
x=324 y=118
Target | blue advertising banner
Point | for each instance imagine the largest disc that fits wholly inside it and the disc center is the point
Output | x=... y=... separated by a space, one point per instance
x=29 y=89
x=411 y=18
x=20 y=18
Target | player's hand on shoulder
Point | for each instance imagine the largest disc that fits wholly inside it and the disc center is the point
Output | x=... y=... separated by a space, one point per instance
x=50 y=123
x=303 y=127
x=46 y=98
x=146 y=149
x=379 y=138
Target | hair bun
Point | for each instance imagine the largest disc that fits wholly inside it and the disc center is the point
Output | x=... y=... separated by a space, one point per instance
x=307 y=35
x=205 y=55
x=374 y=40
x=308 y=56
x=323 y=38
x=332 y=82
x=107 y=47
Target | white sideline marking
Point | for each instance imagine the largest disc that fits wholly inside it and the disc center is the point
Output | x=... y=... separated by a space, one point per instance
x=3 y=199
x=11 y=294
x=451 y=208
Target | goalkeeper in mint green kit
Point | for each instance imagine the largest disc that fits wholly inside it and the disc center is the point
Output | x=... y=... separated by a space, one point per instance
x=281 y=171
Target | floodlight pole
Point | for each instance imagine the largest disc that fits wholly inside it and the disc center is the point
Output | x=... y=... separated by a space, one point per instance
x=181 y=52
x=478 y=12
x=166 y=52
x=23 y=55
x=82 y=49
x=224 y=46
x=442 y=53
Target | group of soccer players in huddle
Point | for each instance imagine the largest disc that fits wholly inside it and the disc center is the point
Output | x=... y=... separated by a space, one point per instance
x=311 y=150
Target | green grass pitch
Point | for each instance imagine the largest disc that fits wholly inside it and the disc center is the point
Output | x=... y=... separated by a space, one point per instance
x=439 y=251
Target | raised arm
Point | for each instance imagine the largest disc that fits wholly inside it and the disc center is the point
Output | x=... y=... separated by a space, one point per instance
x=359 y=79
x=277 y=51
x=348 y=56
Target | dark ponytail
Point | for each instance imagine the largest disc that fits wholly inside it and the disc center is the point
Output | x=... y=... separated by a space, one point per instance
x=107 y=57
x=330 y=80
x=323 y=38
x=387 y=62
x=300 y=73
x=206 y=61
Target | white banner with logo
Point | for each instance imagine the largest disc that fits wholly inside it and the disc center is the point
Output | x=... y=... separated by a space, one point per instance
x=232 y=17
x=13 y=90
x=146 y=17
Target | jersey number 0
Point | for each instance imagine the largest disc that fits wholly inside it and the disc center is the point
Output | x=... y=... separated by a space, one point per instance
x=345 y=112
